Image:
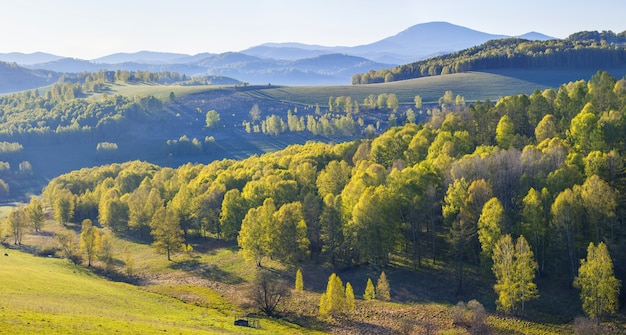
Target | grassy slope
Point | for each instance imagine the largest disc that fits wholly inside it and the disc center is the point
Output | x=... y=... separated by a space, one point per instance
x=49 y=295
x=471 y=85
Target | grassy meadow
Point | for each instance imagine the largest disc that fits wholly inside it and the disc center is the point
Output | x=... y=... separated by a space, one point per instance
x=53 y=296
x=201 y=292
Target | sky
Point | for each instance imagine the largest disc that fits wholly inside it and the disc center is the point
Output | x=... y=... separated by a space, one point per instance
x=88 y=29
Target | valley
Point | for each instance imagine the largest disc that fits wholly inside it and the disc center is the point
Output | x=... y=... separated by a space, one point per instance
x=188 y=194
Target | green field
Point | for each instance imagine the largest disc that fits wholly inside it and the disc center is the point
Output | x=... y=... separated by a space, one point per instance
x=473 y=86
x=52 y=296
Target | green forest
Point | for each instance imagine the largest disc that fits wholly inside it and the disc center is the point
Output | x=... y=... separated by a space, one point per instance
x=539 y=175
x=594 y=50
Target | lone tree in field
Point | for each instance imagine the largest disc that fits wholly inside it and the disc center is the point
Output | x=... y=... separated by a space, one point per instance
x=168 y=236
x=599 y=289
x=17 y=222
x=382 y=288
x=267 y=292
x=370 y=292
x=89 y=238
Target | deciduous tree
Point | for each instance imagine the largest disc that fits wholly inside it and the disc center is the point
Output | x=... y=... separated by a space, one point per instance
x=35 y=213
x=599 y=289
x=166 y=231
x=89 y=236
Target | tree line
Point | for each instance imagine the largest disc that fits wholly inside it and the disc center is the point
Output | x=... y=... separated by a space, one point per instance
x=546 y=169
x=580 y=50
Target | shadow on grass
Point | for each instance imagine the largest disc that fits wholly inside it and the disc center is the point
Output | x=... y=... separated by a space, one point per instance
x=207 y=271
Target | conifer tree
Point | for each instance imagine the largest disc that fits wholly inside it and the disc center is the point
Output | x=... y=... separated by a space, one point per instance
x=382 y=288
x=370 y=292
x=333 y=301
x=299 y=281
x=349 y=297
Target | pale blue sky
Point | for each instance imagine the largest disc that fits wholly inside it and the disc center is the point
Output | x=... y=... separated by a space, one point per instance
x=89 y=29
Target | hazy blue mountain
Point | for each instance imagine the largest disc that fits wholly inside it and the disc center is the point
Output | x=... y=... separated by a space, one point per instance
x=286 y=63
x=67 y=65
x=535 y=36
x=149 y=57
x=28 y=59
x=287 y=51
x=417 y=42
x=15 y=78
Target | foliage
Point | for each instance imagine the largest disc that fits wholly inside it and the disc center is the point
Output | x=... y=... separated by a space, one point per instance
x=599 y=289
x=333 y=301
x=168 y=236
x=370 y=291
x=574 y=52
x=382 y=288
x=89 y=237
x=514 y=268
x=299 y=281
x=414 y=193
x=349 y=297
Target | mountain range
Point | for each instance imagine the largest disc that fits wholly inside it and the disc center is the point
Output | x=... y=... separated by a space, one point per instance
x=282 y=63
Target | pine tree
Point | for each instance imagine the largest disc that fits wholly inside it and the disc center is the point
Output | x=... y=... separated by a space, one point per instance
x=599 y=289
x=370 y=292
x=382 y=288
x=349 y=297
x=299 y=281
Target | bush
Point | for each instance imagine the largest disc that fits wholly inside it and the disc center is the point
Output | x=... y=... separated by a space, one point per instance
x=586 y=326
x=471 y=316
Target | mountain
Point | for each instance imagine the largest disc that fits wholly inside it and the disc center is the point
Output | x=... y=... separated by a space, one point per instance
x=16 y=78
x=282 y=63
x=535 y=36
x=288 y=51
x=415 y=43
x=28 y=59
x=422 y=40
x=149 y=57
x=67 y=65
x=322 y=69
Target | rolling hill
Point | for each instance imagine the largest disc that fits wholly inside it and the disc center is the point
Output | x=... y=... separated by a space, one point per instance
x=584 y=50
x=283 y=63
x=15 y=78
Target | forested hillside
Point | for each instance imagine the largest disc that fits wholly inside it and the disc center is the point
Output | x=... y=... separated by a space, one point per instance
x=595 y=50
x=548 y=167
